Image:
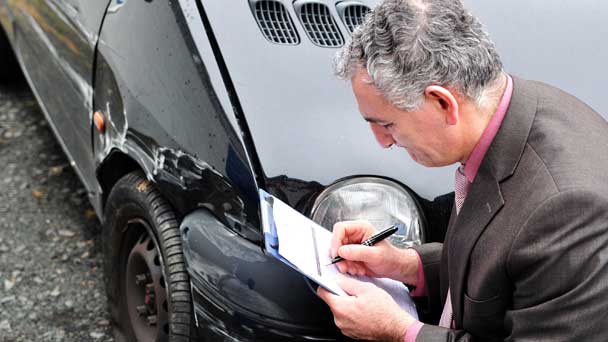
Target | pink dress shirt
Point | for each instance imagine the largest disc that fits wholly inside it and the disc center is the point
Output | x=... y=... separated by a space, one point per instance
x=470 y=171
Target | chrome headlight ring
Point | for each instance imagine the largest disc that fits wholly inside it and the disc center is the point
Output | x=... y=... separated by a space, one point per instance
x=380 y=201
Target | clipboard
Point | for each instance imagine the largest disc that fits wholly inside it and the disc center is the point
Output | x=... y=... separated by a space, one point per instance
x=320 y=239
x=271 y=244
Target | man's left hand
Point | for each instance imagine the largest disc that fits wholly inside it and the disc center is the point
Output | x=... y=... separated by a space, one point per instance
x=368 y=313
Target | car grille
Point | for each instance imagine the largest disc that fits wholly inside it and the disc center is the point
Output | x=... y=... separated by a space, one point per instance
x=275 y=22
x=319 y=24
x=353 y=16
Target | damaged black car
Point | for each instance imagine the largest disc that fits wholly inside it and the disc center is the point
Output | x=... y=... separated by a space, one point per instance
x=175 y=113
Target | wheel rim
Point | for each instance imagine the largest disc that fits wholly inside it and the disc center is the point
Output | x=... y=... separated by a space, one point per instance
x=146 y=294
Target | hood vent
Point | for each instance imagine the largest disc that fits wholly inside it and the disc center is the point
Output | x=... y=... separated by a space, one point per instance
x=352 y=14
x=319 y=24
x=275 y=22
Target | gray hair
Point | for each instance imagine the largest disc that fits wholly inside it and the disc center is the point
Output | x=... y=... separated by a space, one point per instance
x=407 y=45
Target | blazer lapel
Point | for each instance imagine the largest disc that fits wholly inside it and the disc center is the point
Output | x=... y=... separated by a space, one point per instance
x=483 y=202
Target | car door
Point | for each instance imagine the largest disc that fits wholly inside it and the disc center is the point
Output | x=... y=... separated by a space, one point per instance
x=56 y=41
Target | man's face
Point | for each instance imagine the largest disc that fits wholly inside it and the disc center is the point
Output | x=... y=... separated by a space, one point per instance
x=424 y=133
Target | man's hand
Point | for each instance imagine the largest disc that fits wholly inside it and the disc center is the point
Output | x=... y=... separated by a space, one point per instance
x=369 y=313
x=382 y=260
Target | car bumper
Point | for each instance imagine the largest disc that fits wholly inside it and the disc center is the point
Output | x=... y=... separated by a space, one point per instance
x=241 y=294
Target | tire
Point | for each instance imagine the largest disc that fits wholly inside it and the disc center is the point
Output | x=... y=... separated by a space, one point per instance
x=147 y=284
x=9 y=68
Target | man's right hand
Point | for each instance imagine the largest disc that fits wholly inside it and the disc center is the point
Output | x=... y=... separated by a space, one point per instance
x=383 y=260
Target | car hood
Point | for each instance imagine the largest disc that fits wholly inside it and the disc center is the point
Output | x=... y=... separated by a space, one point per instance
x=304 y=122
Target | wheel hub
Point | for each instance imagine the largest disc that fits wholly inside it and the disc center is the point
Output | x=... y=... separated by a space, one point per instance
x=146 y=294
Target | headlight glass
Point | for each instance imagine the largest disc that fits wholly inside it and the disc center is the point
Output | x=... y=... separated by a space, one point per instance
x=377 y=200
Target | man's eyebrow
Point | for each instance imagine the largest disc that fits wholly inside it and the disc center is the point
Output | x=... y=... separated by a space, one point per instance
x=373 y=120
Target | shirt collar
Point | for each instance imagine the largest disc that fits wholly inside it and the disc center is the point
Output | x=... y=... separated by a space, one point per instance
x=474 y=161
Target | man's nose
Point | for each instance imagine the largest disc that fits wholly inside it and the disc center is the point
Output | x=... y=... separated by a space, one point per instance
x=383 y=137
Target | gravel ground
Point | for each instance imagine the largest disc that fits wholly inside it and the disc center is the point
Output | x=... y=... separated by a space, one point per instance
x=51 y=282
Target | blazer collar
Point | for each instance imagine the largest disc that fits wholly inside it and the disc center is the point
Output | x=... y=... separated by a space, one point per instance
x=485 y=199
x=508 y=145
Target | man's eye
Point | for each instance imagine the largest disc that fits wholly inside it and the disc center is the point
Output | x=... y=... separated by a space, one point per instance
x=387 y=126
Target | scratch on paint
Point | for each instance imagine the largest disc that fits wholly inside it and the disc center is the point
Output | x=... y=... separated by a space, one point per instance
x=116 y=5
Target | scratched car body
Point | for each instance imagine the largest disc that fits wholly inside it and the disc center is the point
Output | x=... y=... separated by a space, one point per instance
x=210 y=101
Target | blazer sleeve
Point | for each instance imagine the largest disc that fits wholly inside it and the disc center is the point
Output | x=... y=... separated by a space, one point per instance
x=429 y=307
x=557 y=263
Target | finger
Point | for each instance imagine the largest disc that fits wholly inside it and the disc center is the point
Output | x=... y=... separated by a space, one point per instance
x=343 y=266
x=337 y=236
x=359 y=270
x=346 y=266
x=351 y=286
x=345 y=232
x=361 y=253
x=354 y=231
x=325 y=295
x=350 y=267
x=365 y=228
x=354 y=268
x=332 y=300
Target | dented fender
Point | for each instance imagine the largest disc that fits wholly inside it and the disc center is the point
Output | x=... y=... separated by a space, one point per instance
x=170 y=123
x=241 y=292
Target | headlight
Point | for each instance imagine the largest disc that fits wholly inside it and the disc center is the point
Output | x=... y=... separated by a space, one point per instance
x=379 y=201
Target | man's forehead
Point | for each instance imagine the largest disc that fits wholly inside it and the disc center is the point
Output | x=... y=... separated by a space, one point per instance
x=362 y=76
x=363 y=85
x=371 y=102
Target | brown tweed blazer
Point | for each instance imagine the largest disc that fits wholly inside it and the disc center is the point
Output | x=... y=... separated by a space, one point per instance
x=526 y=259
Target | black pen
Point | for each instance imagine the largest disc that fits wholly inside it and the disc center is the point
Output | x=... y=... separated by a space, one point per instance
x=374 y=239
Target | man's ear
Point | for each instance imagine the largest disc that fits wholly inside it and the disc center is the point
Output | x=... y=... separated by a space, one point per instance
x=444 y=101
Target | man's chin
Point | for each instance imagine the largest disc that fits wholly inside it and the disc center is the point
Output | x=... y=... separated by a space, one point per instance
x=415 y=157
x=422 y=159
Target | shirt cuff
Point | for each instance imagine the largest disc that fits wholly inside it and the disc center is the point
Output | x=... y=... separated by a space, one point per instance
x=420 y=290
x=412 y=332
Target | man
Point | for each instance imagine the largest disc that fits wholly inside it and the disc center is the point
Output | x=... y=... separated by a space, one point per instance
x=526 y=248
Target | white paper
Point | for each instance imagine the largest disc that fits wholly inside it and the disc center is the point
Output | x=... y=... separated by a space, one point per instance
x=297 y=245
x=306 y=245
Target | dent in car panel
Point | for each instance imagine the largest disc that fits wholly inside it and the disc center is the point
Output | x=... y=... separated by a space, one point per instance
x=246 y=291
x=193 y=184
x=174 y=125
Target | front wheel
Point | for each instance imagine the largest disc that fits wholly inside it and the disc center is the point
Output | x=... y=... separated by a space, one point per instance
x=146 y=279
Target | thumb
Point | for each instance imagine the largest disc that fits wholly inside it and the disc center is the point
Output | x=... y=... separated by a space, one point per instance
x=325 y=295
x=358 y=253
x=351 y=286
